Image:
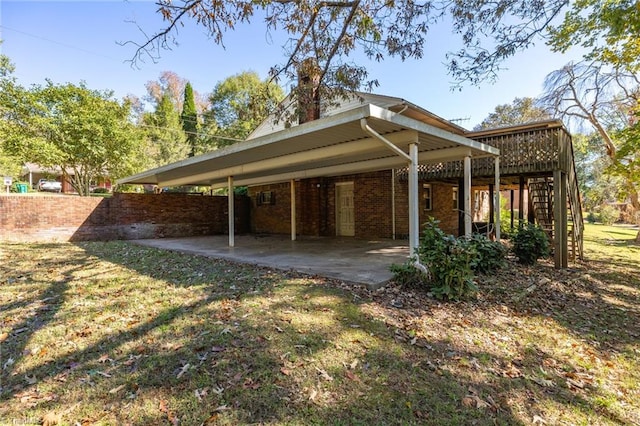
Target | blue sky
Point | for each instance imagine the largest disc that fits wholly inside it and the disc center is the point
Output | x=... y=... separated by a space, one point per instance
x=78 y=40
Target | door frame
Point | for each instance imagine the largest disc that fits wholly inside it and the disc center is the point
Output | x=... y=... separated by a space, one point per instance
x=337 y=209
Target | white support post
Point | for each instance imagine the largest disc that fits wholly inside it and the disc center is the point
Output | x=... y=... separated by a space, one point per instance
x=467 y=196
x=414 y=226
x=496 y=205
x=293 y=210
x=393 y=204
x=230 y=198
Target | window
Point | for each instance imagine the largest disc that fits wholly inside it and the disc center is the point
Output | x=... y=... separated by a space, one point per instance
x=265 y=198
x=426 y=196
x=455 y=198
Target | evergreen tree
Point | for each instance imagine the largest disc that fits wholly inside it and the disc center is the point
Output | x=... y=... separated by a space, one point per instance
x=189 y=119
x=165 y=137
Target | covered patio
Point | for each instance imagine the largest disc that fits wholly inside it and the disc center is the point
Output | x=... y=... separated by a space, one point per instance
x=346 y=259
x=363 y=139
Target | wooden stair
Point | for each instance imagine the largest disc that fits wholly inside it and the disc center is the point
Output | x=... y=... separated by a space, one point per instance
x=541 y=194
x=542 y=198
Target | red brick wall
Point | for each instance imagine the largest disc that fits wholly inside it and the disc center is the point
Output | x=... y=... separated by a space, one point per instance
x=441 y=207
x=271 y=218
x=123 y=216
x=315 y=206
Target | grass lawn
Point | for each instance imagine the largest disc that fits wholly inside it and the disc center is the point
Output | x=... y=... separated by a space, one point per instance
x=116 y=334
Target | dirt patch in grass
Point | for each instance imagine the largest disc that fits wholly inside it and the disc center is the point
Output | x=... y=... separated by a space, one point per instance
x=113 y=333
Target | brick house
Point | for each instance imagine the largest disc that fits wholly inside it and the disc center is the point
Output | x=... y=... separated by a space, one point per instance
x=378 y=166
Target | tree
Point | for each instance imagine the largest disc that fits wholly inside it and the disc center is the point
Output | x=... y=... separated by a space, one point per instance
x=86 y=133
x=171 y=84
x=609 y=30
x=166 y=140
x=189 y=119
x=596 y=185
x=9 y=163
x=239 y=104
x=607 y=99
x=520 y=111
x=331 y=31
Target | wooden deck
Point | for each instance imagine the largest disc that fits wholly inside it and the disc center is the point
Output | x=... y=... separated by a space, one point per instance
x=527 y=153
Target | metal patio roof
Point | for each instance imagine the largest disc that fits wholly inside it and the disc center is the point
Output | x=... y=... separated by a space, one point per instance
x=330 y=146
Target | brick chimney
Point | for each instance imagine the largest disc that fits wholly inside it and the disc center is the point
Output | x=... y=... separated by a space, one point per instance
x=308 y=93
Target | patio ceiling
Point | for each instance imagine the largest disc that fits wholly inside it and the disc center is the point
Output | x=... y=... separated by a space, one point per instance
x=329 y=146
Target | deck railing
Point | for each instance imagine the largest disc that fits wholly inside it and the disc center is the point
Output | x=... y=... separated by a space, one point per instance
x=528 y=152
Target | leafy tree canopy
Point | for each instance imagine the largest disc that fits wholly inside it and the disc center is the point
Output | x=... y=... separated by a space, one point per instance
x=609 y=30
x=520 y=111
x=166 y=141
x=86 y=133
x=239 y=103
x=9 y=163
x=330 y=31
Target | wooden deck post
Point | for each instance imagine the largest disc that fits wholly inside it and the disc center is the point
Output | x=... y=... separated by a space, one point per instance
x=521 y=199
x=560 y=219
x=491 y=203
x=496 y=198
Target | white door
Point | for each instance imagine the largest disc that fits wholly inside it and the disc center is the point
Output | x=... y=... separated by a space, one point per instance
x=345 y=215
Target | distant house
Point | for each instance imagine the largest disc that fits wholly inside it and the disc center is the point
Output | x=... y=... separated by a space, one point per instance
x=32 y=173
x=378 y=166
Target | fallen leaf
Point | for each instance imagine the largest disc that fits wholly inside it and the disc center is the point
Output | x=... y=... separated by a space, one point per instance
x=117 y=389
x=537 y=420
x=351 y=376
x=163 y=409
x=104 y=358
x=512 y=371
x=30 y=380
x=51 y=419
x=250 y=384
x=354 y=364
x=183 y=370
x=3 y=337
x=211 y=421
x=468 y=401
x=575 y=384
x=324 y=374
x=543 y=382
x=8 y=363
x=313 y=395
x=285 y=371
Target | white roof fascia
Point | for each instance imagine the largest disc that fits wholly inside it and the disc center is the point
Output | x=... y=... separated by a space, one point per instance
x=281 y=151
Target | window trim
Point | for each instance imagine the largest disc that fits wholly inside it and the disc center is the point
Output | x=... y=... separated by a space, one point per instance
x=427 y=202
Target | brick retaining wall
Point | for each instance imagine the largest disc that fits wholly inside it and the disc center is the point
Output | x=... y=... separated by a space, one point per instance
x=123 y=216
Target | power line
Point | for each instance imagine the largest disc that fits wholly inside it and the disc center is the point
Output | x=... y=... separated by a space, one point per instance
x=197 y=134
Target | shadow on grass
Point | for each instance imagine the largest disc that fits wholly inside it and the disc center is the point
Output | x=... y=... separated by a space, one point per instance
x=256 y=346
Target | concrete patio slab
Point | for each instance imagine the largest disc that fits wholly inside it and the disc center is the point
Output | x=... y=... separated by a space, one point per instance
x=357 y=261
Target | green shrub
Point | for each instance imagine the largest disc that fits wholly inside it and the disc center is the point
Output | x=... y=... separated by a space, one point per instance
x=609 y=214
x=449 y=263
x=100 y=190
x=593 y=217
x=407 y=275
x=530 y=243
x=490 y=254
